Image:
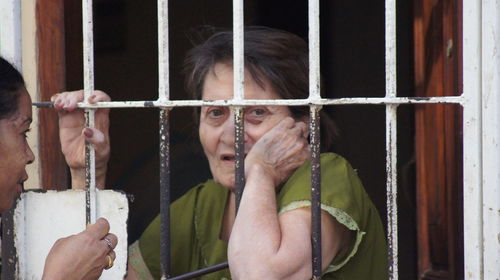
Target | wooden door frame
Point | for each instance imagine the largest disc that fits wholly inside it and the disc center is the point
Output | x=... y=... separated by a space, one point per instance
x=438 y=72
x=51 y=80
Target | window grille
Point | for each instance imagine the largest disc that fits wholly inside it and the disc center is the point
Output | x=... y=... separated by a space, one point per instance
x=481 y=128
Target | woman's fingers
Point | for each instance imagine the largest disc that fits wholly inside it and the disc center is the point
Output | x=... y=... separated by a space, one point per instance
x=68 y=101
x=111 y=241
x=95 y=137
x=98 y=230
x=110 y=259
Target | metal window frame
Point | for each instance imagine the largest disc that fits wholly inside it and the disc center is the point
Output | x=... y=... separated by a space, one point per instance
x=481 y=127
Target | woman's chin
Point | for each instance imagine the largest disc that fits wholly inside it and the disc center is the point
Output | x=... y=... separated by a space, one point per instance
x=228 y=183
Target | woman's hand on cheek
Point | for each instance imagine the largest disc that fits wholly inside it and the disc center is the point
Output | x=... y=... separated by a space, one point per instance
x=72 y=133
x=280 y=151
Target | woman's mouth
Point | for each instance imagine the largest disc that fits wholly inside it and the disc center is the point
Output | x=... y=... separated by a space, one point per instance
x=229 y=158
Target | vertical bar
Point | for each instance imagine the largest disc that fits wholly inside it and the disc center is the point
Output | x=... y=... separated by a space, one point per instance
x=391 y=140
x=239 y=148
x=314 y=83
x=163 y=52
x=314 y=94
x=315 y=191
x=88 y=87
x=392 y=187
x=164 y=95
x=238 y=55
x=491 y=136
x=472 y=127
x=238 y=89
x=165 y=194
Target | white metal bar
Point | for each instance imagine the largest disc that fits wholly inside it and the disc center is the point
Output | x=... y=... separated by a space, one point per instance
x=314 y=65
x=10 y=31
x=472 y=193
x=163 y=52
x=491 y=137
x=392 y=188
x=278 y=102
x=238 y=50
x=390 y=48
x=391 y=137
x=88 y=88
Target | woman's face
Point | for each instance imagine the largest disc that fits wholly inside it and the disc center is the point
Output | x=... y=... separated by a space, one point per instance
x=15 y=152
x=217 y=123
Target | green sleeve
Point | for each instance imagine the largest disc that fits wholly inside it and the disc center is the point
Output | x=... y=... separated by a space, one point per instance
x=341 y=197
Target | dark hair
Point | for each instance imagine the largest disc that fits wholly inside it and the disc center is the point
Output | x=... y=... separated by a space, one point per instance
x=277 y=56
x=11 y=82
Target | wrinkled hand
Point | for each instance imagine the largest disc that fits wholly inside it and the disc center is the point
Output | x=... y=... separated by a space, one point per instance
x=81 y=256
x=73 y=134
x=280 y=151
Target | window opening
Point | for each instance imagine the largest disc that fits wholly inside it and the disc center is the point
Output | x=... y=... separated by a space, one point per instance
x=470 y=100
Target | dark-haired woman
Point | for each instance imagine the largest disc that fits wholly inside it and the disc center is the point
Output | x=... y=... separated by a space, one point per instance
x=270 y=236
x=81 y=256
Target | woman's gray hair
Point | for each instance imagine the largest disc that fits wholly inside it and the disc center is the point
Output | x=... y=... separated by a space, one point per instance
x=276 y=56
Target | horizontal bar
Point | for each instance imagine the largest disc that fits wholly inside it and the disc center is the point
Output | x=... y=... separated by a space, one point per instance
x=203 y=271
x=272 y=102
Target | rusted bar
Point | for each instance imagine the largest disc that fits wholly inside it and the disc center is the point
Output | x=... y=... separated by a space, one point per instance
x=315 y=191
x=165 y=193
x=43 y=104
x=200 y=272
x=392 y=207
x=88 y=88
x=239 y=149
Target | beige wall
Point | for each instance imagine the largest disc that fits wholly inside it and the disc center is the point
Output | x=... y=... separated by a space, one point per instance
x=29 y=69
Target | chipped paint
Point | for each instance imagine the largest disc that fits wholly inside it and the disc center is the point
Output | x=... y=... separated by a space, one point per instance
x=165 y=238
x=239 y=148
x=275 y=102
x=392 y=186
x=391 y=140
x=314 y=128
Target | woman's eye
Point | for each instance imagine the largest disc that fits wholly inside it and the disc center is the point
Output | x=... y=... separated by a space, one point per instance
x=258 y=112
x=214 y=113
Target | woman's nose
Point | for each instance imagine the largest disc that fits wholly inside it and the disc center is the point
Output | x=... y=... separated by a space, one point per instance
x=30 y=155
x=228 y=133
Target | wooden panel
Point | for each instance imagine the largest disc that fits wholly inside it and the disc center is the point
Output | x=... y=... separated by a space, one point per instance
x=438 y=140
x=51 y=69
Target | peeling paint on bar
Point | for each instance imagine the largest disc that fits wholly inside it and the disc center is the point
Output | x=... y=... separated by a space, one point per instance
x=314 y=127
x=314 y=67
x=88 y=88
x=390 y=48
x=391 y=140
x=392 y=186
x=163 y=52
x=239 y=147
x=238 y=53
x=275 y=102
x=165 y=239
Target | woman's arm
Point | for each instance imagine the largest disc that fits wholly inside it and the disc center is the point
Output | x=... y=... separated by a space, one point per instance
x=263 y=244
x=73 y=134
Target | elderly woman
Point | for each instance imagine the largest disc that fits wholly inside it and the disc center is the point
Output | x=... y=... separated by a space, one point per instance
x=81 y=256
x=269 y=238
